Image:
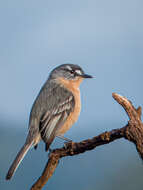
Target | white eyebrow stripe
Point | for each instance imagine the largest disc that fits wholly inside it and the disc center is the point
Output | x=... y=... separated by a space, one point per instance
x=69 y=68
x=78 y=72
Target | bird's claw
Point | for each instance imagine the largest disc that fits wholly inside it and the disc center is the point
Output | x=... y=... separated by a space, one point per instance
x=68 y=144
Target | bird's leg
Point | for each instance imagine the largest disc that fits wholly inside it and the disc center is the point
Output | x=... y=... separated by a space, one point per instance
x=68 y=141
x=64 y=138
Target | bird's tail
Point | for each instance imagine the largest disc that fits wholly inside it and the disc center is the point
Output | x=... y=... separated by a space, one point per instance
x=18 y=159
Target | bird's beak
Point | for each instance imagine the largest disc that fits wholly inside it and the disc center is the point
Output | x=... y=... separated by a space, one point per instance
x=87 y=76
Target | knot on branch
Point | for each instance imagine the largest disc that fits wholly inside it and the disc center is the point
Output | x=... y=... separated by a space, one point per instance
x=105 y=136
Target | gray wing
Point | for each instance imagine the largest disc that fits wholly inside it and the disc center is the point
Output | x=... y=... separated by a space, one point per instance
x=54 y=119
x=49 y=111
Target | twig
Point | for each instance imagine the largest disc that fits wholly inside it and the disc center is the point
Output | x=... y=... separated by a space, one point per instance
x=133 y=132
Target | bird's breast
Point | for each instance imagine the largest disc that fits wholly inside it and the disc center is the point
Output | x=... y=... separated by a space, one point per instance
x=73 y=116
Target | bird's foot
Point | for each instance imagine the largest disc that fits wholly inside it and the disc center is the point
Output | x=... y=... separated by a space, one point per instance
x=68 y=144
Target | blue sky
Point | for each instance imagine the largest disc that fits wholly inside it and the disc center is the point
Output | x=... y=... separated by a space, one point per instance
x=103 y=37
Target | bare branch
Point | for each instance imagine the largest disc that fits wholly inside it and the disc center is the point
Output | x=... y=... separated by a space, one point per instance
x=133 y=132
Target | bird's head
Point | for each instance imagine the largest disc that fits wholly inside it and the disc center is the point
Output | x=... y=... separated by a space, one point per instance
x=69 y=72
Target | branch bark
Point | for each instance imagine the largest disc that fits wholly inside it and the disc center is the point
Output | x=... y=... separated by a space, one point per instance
x=133 y=132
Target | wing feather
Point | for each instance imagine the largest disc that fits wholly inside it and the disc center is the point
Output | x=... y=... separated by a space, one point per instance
x=53 y=120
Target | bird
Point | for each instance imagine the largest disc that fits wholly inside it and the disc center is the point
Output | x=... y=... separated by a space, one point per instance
x=54 y=111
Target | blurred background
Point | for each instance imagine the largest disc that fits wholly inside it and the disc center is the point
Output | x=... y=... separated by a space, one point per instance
x=106 y=39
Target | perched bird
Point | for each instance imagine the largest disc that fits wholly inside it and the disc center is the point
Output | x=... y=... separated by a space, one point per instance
x=55 y=109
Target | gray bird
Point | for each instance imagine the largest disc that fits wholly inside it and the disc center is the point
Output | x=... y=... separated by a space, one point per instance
x=55 y=109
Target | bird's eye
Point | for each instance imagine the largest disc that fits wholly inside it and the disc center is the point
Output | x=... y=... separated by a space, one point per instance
x=72 y=72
